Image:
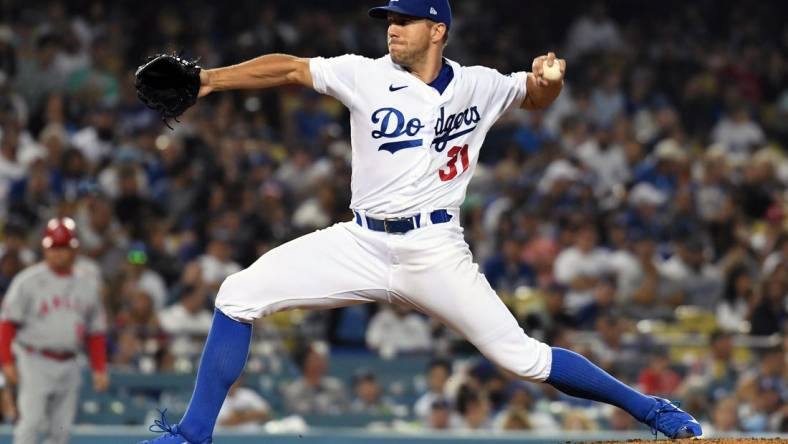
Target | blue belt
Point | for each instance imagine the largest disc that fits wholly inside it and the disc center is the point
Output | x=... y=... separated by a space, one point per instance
x=401 y=225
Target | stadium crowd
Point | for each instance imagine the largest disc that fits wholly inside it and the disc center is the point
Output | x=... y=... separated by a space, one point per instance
x=651 y=199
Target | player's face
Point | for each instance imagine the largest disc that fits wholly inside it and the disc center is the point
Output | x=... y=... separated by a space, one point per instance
x=60 y=258
x=408 y=38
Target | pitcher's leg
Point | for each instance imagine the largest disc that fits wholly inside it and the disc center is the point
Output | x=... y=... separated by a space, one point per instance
x=451 y=289
x=456 y=294
x=326 y=269
x=222 y=361
x=329 y=268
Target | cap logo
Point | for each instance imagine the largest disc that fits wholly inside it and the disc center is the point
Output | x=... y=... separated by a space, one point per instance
x=433 y=11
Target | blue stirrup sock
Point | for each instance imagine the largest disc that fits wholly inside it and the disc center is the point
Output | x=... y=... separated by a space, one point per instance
x=576 y=376
x=223 y=359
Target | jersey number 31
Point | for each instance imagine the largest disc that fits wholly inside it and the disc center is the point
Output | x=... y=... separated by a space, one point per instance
x=453 y=153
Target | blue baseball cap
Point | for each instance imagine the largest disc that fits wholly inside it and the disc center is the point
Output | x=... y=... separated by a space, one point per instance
x=436 y=10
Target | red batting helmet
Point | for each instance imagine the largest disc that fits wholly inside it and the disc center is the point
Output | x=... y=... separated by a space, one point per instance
x=60 y=232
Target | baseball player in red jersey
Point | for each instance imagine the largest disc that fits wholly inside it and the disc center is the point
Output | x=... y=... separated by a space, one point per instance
x=49 y=311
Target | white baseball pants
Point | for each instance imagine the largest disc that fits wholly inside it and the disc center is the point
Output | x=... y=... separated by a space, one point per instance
x=430 y=269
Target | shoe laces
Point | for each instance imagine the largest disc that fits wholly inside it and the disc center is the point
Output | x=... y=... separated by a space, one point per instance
x=161 y=426
x=668 y=407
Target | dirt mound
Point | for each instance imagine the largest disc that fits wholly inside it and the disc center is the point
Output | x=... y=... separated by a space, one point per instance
x=702 y=441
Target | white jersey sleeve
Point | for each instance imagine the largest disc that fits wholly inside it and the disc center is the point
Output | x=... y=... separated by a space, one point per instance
x=15 y=305
x=501 y=91
x=337 y=76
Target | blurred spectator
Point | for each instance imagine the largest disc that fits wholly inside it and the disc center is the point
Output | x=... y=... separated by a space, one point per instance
x=138 y=313
x=607 y=100
x=438 y=373
x=664 y=168
x=718 y=372
x=15 y=239
x=398 y=329
x=768 y=309
x=613 y=353
x=10 y=167
x=187 y=316
x=101 y=235
x=127 y=351
x=440 y=416
x=516 y=420
x=658 y=378
x=33 y=197
x=318 y=211
x=216 y=264
x=778 y=256
x=521 y=411
x=578 y=420
x=160 y=258
x=714 y=186
x=368 y=397
x=96 y=142
x=593 y=31
x=313 y=392
x=137 y=273
x=621 y=421
x=10 y=265
x=37 y=76
x=603 y=304
x=642 y=287
x=738 y=133
x=691 y=277
x=243 y=409
x=606 y=159
x=474 y=409
x=725 y=417
x=580 y=266
x=644 y=215
x=506 y=271
x=187 y=322
x=763 y=391
x=733 y=308
x=552 y=315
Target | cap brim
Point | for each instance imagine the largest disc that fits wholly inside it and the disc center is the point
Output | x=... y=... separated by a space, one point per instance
x=382 y=12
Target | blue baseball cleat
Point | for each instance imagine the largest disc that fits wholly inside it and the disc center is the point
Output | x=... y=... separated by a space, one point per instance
x=673 y=422
x=172 y=434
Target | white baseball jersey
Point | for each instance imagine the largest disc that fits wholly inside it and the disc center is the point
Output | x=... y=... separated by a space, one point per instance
x=414 y=151
x=414 y=148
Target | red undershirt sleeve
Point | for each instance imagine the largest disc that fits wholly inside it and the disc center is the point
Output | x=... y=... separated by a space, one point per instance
x=97 y=349
x=7 y=335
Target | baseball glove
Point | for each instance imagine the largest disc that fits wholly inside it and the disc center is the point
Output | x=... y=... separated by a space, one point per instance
x=168 y=84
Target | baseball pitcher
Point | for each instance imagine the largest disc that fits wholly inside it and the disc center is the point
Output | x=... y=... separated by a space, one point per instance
x=418 y=121
x=49 y=311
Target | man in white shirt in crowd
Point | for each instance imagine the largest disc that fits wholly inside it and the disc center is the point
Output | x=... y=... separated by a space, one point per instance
x=438 y=373
x=398 y=329
x=216 y=264
x=580 y=266
x=243 y=409
x=187 y=321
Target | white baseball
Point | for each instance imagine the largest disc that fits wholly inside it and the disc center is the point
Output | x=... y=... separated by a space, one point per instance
x=551 y=73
